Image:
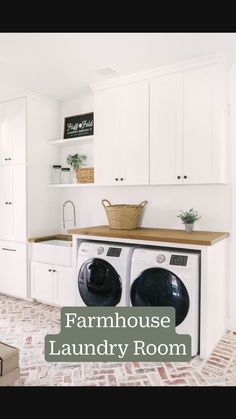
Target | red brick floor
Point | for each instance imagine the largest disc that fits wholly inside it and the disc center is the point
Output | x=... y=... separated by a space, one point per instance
x=25 y=324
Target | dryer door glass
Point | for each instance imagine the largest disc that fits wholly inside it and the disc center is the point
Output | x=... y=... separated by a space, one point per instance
x=160 y=287
x=99 y=284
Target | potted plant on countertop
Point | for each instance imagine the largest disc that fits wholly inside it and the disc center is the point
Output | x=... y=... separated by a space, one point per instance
x=188 y=218
x=76 y=161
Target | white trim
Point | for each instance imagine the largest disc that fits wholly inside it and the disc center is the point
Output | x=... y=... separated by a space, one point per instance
x=30 y=95
x=42 y=98
x=140 y=242
x=70 y=141
x=181 y=66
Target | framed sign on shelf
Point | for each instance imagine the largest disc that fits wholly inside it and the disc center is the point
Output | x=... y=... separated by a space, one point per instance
x=78 y=125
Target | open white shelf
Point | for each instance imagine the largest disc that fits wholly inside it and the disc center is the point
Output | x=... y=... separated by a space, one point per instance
x=64 y=142
x=70 y=185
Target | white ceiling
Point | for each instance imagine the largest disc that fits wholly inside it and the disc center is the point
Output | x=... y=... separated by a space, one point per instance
x=61 y=65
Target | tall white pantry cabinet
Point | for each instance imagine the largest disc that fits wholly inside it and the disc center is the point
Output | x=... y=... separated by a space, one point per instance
x=27 y=207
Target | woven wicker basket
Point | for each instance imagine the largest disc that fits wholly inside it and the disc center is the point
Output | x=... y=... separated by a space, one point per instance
x=123 y=217
x=85 y=175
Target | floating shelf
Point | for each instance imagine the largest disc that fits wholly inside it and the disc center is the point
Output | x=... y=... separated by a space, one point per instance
x=65 y=142
x=70 y=185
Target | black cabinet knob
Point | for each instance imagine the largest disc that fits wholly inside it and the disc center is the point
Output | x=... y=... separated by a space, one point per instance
x=121 y=178
x=116 y=178
x=5 y=159
x=10 y=203
x=9 y=158
x=49 y=270
x=54 y=270
x=185 y=177
x=6 y=203
x=178 y=177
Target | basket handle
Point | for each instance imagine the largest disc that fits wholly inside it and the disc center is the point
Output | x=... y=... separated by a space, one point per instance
x=143 y=204
x=103 y=203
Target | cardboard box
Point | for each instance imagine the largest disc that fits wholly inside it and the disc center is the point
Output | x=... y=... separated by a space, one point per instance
x=10 y=378
x=9 y=359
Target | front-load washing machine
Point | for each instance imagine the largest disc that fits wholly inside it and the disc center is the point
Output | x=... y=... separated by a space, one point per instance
x=103 y=274
x=168 y=278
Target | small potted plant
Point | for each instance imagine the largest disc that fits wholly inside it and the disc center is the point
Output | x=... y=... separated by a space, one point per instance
x=76 y=161
x=188 y=218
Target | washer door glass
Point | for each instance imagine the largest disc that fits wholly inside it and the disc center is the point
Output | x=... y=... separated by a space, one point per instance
x=99 y=284
x=160 y=287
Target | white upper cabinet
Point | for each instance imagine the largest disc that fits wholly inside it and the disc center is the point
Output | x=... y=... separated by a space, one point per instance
x=204 y=125
x=122 y=135
x=13 y=132
x=187 y=127
x=105 y=145
x=166 y=129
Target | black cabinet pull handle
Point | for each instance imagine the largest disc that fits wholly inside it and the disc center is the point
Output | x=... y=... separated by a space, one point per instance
x=10 y=203
x=121 y=178
x=49 y=270
x=178 y=177
x=6 y=203
x=5 y=159
x=8 y=250
x=54 y=270
x=185 y=177
x=9 y=158
x=116 y=178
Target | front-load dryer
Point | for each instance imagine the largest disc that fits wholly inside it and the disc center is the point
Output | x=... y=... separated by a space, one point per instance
x=103 y=274
x=168 y=278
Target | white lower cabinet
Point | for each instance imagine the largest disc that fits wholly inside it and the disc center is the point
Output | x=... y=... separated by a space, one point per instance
x=42 y=281
x=53 y=284
x=65 y=289
x=13 y=263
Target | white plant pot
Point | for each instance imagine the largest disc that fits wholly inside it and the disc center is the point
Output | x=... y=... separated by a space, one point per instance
x=189 y=227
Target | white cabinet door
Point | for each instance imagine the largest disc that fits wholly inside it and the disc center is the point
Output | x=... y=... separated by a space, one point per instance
x=64 y=286
x=105 y=143
x=133 y=133
x=42 y=281
x=13 y=203
x=13 y=262
x=5 y=202
x=17 y=130
x=204 y=131
x=53 y=284
x=5 y=144
x=18 y=206
x=13 y=132
x=166 y=129
x=121 y=147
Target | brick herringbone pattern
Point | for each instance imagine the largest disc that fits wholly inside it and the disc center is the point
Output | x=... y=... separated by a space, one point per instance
x=24 y=324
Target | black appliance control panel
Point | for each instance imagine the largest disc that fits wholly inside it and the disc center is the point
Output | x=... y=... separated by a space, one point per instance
x=179 y=260
x=114 y=251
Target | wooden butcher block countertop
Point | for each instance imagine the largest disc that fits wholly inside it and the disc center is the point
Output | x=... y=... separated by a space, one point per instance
x=205 y=238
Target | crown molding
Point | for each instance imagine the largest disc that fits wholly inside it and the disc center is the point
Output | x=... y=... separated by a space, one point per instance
x=163 y=70
x=17 y=94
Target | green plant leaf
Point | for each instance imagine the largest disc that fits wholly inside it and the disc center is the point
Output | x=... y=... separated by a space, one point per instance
x=189 y=217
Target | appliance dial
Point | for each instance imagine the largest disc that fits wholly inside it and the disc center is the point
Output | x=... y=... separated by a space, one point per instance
x=100 y=250
x=160 y=258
